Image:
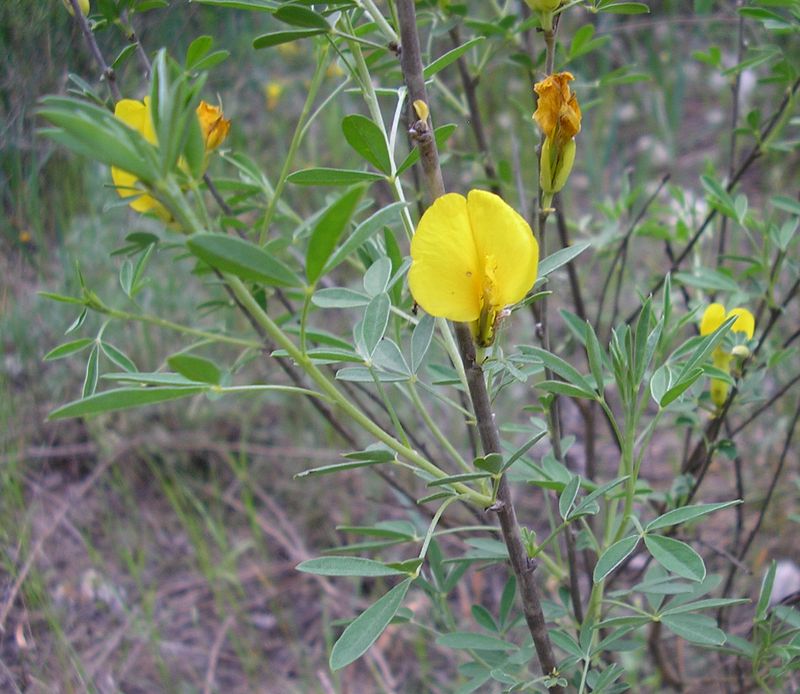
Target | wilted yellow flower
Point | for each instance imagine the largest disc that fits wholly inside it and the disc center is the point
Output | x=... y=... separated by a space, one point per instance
x=136 y=114
x=272 y=93
x=213 y=124
x=83 y=4
x=745 y=323
x=557 y=111
x=471 y=258
x=559 y=117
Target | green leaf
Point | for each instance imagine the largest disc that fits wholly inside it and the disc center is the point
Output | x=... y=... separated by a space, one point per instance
x=614 y=556
x=681 y=387
x=158 y=378
x=276 y=38
x=68 y=348
x=376 y=278
x=449 y=57
x=562 y=388
x=625 y=8
x=492 y=463
x=363 y=232
x=568 y=496
x=785 y=203
x=441 y=135
x=556 y=364
x=375 y=320
x=195 y=368
x=242 y=258
x=469 y=640
x=337 y=467
x=197 y=49
x=421 y=340
x=587 y=502
x=339 y=297
x=262 y=5
x=566 y=643
x=765 y=592
x=594 y=354
x=346 y=566
x=122 y=399
x=328 y=230
x=116 y=355
x=685 y=513
x=92 y=372
x=362 y=632
x=368 y=140
x=561 y=257
x=332 y=177
x=676 y=556
x=695 y=628
x=456 y=479
x=123 y=55
x=300 y=16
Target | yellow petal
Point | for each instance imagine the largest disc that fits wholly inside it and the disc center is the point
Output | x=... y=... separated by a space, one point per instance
x=445 y=276
x=713 y=317
x=745 y=323
x=136 y=114
x=503 y=235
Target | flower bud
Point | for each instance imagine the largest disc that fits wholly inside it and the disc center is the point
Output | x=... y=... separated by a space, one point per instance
x=83 y=4
x=544 y=5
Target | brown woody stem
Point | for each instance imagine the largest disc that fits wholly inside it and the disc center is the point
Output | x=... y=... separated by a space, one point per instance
x=411 y=63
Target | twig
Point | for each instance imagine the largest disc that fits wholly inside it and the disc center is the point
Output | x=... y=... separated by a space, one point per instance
x=213 y=656
x=469 y=83
x=765 y=504
x=622 y=250
x=58 y=519
x=754 y=153
x=411 y=64
x=735 y=88
x=107 y=73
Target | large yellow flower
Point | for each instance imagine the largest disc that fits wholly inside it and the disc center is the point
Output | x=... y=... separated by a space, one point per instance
x=714 y=316
x=471 y=258
x=559 y=117
x=136 y=114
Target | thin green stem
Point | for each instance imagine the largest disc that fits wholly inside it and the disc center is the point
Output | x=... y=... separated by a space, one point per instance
x=435 y=430
x=297 y=137
x=184 y=329
x=328 y=388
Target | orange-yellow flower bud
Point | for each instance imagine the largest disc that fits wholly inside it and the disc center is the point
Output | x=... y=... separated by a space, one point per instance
x=557 y=111
x=213 y=124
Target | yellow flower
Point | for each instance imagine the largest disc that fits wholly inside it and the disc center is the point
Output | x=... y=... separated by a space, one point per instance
x=272 y=93
x=471 y=258
x=559 y=117
x=136 y=114
x=213 y=124
x=83 y=4
x=745 y=323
